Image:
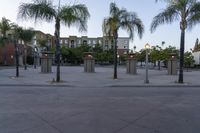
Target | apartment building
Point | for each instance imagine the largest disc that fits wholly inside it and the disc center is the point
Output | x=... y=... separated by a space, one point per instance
x=105 y=42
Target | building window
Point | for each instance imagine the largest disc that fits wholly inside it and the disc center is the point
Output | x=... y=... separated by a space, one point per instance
x=94 y=41
x=106 y=42
x=61 y=41
x=66 y=41
x=99 y=41
x=85 y=42
x=126 y=42
x=72 y=43
x=125 y=46
x=79 y=41
x=106 y=46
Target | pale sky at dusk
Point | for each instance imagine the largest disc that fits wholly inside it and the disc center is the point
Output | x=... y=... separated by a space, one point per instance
x=146 y=10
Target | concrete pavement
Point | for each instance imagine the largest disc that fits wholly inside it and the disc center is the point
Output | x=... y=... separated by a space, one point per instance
x=99 y=110
x=74 y=76
x=95 y=103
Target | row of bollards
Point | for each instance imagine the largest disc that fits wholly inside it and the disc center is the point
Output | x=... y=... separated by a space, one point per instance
x=89 y=63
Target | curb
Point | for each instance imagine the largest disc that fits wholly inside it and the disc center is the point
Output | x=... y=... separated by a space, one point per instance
x=153 y=86
x=36 y=85
x=113 y=86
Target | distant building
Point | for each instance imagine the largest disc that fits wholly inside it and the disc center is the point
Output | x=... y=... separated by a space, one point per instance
x=196 y=57
x=196 y=52
x=104 y=42
x=42 y=41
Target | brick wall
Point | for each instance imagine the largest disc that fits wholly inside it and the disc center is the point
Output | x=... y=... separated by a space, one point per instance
x=7 y=54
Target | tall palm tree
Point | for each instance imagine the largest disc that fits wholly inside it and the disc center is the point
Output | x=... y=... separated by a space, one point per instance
x=26 y=35
x=188 y=12
x=121 y=18
x=69 y=15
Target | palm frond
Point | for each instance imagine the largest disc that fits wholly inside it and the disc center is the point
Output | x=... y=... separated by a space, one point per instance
x=131 y=23
x=77 y=15
x=194 y=16
x=26 y=35
x=107 y=27
x=39 y=9
x=113 y=9
x=4 y=26
x=167 y=16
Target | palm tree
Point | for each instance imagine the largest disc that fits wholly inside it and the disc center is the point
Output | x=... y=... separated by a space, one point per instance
x=69 y=15
x=188 y=12
x=121 y=18
x=5 y=26
x=26 y=35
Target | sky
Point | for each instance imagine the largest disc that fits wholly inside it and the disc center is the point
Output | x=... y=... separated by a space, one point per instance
x=99 y=9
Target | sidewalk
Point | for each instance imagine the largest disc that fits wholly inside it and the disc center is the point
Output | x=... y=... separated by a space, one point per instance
x=74 y=76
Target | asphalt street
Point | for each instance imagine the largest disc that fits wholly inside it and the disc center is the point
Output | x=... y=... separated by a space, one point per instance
x=26 y=109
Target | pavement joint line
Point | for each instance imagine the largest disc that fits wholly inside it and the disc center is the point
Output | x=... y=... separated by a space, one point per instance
x=45 y=121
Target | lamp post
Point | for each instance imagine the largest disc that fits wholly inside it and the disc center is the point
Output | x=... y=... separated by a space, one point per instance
x=147 y=46
x=172 y=64
x=118 y=57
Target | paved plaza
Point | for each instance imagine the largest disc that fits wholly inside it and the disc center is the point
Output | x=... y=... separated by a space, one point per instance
x=103 y=76
x=95 y=103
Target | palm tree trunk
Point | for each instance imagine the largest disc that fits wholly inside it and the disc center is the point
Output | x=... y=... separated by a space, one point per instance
x=25 y=57
x=57 y=35
x=115 y=56
x=16 y=59
x=158 y=64
x=182 y=43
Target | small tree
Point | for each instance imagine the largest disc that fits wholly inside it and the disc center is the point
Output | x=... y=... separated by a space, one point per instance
x=26 y=35
x=141 y=56
x=189 y=59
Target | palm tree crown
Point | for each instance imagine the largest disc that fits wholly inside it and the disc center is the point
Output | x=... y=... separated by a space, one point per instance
x=187 y=11
x=121 y=18
x=45 y=10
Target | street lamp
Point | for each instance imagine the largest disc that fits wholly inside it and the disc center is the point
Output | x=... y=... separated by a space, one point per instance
x=147 y=47
x=134 y=48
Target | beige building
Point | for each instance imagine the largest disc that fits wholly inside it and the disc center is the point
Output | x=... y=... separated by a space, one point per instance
x=105 y=42
x=196 y=52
